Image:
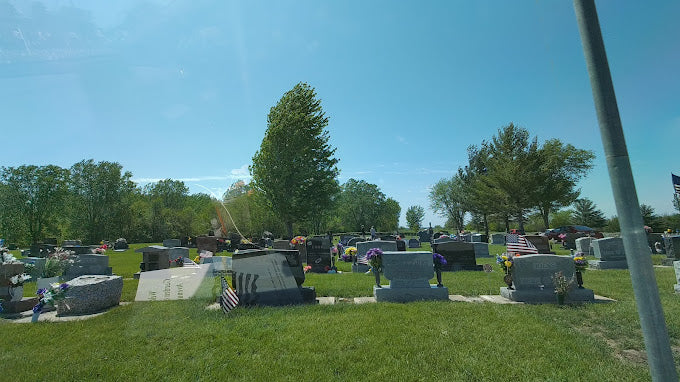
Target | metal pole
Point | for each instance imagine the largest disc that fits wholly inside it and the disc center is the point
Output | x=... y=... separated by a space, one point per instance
x=654 y=330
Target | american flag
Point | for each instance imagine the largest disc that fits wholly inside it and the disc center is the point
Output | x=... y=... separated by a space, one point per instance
x=229 y=299
x=362 y=259
x=676 y=183
x=519 y=244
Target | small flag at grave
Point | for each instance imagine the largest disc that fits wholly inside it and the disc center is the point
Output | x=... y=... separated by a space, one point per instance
x=229 y=299
x=519 y=244
x=676 y=182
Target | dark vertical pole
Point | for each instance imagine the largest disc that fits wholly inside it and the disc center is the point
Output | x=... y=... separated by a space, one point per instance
x=646 y=291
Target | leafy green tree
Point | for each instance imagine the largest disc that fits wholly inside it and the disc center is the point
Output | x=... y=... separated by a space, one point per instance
x=586 y=213
x=650 y=218
x=561 y=167
x=33 y=195
x=167 y=199
x=613 y=225
x=560 y=218
x=388 y=217
x=414 y=217
x=98 y=199
x=362 y=203
x=294 y=167
x=447 y=198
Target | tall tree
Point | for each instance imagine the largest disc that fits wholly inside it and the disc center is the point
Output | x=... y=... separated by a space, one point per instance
x=561 y=167
x=414 y=217
x=363 y=204
x=650 y=218
x=448 y=200
x=167 y=198
x=34 y=195
x=585 y=213
x=98 y=196
x=294 y=167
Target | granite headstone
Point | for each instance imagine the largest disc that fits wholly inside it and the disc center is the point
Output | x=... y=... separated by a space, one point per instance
x=409 y=274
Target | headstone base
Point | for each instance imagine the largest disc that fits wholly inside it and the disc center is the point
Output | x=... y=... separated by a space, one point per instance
x=12 y=307
x=537 y=296
x=360 y=268
x=388 y=294
x=668 y=261
x=608 y=264
x=677 y=288
x=308 y=295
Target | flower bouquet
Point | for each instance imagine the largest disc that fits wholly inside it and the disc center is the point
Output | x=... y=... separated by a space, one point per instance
x=506 y=262
x=307 y=268
x=298 y=240
x=49 y=296
x=349 y=255
x=439 y=261
x=179 y=261
x=562 y=286
x=374 y=258
x=580 y=263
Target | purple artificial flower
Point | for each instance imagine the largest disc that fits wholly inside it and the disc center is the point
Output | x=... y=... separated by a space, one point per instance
x=41 y=291
x=373 y=253
x=438 y=259
x=38 y=307
x=64 y=286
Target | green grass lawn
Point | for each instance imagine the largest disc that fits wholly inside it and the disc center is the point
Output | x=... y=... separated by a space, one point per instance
x=423 y=341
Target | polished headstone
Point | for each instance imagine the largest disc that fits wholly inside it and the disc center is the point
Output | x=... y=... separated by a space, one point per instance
x=409 y=274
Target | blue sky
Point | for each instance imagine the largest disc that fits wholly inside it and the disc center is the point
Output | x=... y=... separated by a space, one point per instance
x=181 y=89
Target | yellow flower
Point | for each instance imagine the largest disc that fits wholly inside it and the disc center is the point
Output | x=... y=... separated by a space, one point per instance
x=508 y=263
x=197 y=259
x=504 y=257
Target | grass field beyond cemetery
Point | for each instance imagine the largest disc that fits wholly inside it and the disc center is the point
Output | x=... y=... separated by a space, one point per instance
x=424 y=341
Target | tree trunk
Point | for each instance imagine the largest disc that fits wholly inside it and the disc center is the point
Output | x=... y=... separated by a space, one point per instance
x=545 y=212
x=486 y=225
x=289 y=229
x=520 y=220
x=507 y=223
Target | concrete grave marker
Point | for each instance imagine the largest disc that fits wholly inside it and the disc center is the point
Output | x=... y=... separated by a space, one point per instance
x=610 y=254
x=409 y=274
x=542 y=243
x=364 y=246
x=498 y=238
x=481 y=249
x=584 y=245
x=171 y=243
x=91 y=294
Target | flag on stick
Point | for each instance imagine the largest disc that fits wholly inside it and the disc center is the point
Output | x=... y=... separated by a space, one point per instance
x=519 y=244
x=362 y=259
x=229 y=299
x=676 y=183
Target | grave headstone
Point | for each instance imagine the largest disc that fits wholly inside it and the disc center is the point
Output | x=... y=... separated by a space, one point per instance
x=207 y=243
x=676 y=266
x=476 y=238
x=78 y=249
x=653 y=238
x=532 y=279
x=465 y=237
x=87 y=264
x=270 y=277
x=542 y=243
x=176 y=252
x=672 y=245
x=171 y=243
x=154 y=257
x=364 y=246
x=584 y=245
x=409 y=274
x=443 y=240
x=71 y=243
x=178 y=283
x=570 y=240
x=8 y=271
x=218 y=264
x=413 y=243
x=319 y=254
x=91 y=294
x=281 y=244
x=481 y=249
x=609 y=253
x=460 y=256
x=401 y=245
x=120 y=244
x=344 y=239
x=353 y=241
x=424 y=236
x=498 y=238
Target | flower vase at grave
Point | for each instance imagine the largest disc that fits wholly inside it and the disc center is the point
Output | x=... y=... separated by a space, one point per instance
x=508 y=280
x=17 y=293
x=560 y=299
x=439 y=278
x=579 y=279
x=376 y=272
x=35 y=316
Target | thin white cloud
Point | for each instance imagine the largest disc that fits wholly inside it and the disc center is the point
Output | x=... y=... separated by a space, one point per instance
x=240 y=173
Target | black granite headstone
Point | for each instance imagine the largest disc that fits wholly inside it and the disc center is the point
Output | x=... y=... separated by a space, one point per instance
x=319 y=254
x=460 y=256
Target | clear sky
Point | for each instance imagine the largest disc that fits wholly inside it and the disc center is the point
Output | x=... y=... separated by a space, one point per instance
x=181 y=89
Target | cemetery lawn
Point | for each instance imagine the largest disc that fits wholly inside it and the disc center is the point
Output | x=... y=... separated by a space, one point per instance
x=181 y=340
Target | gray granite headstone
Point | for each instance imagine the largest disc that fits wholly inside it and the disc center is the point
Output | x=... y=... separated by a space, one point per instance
x=409 y=274
x=364 y=246
x=91 y=294
x=542 y=243
x=569 y=241
x=583 y=245
x=206 y=243
x=38 y=264
x=87 y=264
x=498 y=238
x=78 y=249
x=481 y=249
x=177 y=252
x=466 y=237
x=270 y=277
x=459 y=256
x=672 y=246
x=154 y=257
x=610 y=254
x=413 y=243
x=447 y=239
x=352 y=242
x=171 y=243
x=676 y=266
x=532 y=279
x=71 y=243
x=281 y=244
x=476 y=238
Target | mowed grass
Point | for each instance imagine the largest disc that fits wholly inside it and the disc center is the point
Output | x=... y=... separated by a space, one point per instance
x=422 y=341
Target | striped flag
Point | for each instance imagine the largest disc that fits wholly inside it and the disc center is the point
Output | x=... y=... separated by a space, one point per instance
x=362 y=259
x=676 y=182
x=229 y=299
x=519 y=244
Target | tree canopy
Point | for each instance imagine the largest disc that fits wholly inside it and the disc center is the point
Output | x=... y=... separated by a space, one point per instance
x=414 y=217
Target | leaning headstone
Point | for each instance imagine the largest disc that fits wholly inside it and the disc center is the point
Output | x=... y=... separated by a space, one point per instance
x=206 y=243
x=364 y=246
x=532 y=279
x=270 y=277
x=459 y=256
x=281 y=244
x=413 y=243
x=676 y=266
x=542 y=243
x=91 y=294
x=171 y=243
x=481 y=249
x=178 y=283
x=498 y=238
x=87 y=264
x=584 y=245
x=154 y=257
x=409 y=274
x=609 y=253
x=319 y=254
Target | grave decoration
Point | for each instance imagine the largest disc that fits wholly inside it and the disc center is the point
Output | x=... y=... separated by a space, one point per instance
x=581 y=264
x=532 y=278
x=12 y=277
x=348 y=254
x=439 y=262
x=361 y=263
x=505 y=261
x=374 y=257
x=409 y=274
x=270 y=277
x=48 y=297
x=562 y=286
